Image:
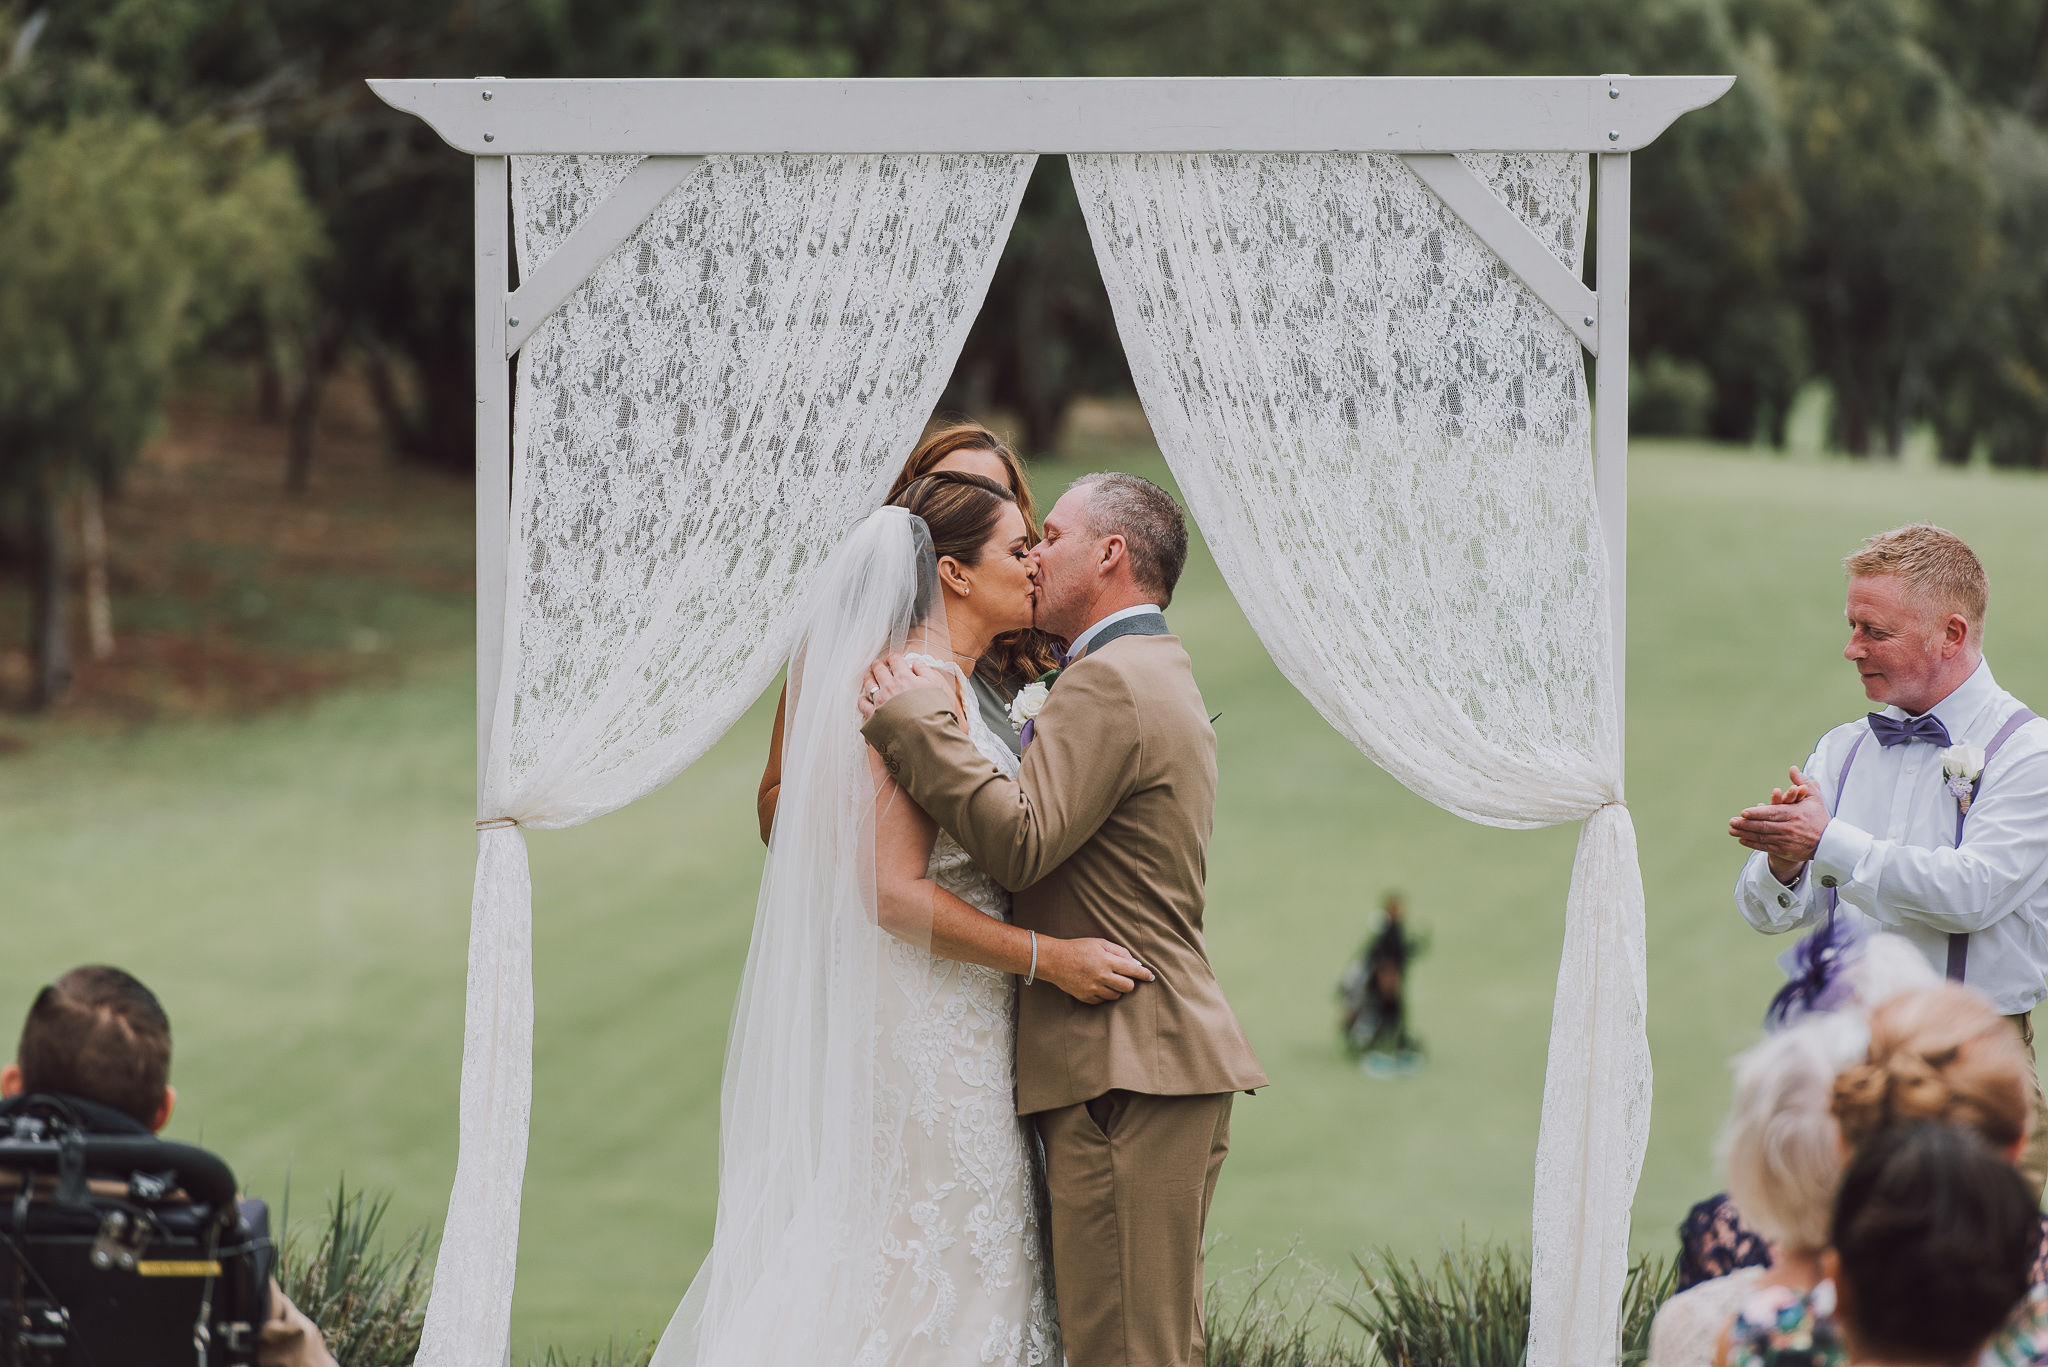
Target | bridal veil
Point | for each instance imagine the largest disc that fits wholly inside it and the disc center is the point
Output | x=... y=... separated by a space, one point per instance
x=791 y=1276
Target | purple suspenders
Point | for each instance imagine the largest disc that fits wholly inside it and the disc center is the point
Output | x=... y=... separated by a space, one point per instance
x=1958 y=942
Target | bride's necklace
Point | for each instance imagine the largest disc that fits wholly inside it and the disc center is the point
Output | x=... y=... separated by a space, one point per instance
x=923 y=646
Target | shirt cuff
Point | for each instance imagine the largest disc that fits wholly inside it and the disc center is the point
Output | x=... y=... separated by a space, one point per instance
x=1842 y=847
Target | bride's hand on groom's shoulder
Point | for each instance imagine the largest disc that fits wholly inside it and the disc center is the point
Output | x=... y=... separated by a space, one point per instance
x=1090 y=971
x=894 y=674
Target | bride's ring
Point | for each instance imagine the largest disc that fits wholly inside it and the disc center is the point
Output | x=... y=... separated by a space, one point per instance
x=871 y=694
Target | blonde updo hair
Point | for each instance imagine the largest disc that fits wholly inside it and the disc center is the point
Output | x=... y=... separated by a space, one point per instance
x=1938 y=1053
x=1780 y=1146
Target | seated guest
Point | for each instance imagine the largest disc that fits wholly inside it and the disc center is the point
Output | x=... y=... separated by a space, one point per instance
x=99 y=1041
x=1861 y=972
x=1937 y=1055
x=1782 y=1151
x=1931 y=1242
x=1933 y=1237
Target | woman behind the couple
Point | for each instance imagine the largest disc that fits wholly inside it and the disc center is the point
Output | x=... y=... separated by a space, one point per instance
x=878 y=1203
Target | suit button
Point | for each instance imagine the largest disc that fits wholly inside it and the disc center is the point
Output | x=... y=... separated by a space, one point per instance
x=1827 y=880
x=1784 y=900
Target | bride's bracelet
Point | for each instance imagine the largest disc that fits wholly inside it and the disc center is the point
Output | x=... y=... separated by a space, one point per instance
x=1032 y=973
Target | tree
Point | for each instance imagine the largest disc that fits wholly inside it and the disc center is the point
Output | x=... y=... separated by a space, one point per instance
x=122 y=244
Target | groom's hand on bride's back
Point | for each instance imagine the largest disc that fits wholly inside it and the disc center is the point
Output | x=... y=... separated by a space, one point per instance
x=893 y=674
x=1091 y=971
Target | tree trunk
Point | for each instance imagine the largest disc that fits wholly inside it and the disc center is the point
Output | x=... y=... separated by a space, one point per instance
x=1954 y=442
x=1781 y=421
x=99 y=607
x=319 y=362
x=49 y=608
x=269 y=387
x=1904 y=402
x=305 y=421
x=2035 y=100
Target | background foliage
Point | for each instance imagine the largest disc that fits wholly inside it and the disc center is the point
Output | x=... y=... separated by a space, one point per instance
x=1868 y=209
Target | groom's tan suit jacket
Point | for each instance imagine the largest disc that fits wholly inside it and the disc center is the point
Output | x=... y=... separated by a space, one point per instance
x=1104 y=832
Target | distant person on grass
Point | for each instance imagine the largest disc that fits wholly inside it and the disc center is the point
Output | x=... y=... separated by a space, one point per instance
x=99 y=1041
x=1928 y=818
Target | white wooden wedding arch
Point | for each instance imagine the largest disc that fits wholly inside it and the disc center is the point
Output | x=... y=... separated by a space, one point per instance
x=708 y=312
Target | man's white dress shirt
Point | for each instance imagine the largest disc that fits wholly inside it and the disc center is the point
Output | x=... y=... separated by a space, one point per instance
x=1889 y=850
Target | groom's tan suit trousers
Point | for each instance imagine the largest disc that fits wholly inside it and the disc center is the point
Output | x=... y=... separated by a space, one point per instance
x=1104 y=833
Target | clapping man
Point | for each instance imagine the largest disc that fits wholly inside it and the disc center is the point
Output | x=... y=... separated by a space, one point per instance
x=1928 y=818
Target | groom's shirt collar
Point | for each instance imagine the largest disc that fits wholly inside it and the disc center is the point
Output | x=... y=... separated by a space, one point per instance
x=1081 y=642
x=1960 y=708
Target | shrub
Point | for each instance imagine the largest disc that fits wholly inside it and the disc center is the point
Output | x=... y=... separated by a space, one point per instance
x=1470 y=1310
x=1668 y=397
x=1473 y=1310
x=370 y=1303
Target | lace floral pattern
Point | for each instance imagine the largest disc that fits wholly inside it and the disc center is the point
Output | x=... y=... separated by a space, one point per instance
x=965 y=1265
x=694 y=431
x=1386 y=439
x=696 y=428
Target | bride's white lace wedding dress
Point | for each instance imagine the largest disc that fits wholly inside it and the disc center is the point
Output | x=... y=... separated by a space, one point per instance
x=966 y=1274
x=878 y=1199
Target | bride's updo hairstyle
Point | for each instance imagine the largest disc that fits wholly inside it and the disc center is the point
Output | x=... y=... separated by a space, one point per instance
x=1937 y=1054
x=1934 y=1236
x=962 y=510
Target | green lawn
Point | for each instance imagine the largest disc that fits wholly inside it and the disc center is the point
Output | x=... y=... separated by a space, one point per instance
x=297 y=890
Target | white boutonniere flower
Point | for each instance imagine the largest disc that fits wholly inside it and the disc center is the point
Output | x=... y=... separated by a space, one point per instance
x=1962 y=765
x=1028 y=703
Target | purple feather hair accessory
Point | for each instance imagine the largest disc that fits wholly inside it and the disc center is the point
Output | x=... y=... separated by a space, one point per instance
x=1820 y=976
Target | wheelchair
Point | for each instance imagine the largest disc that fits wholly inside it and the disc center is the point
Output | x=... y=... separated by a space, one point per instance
x=124 y=1251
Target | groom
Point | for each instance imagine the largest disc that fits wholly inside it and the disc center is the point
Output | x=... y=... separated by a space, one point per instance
x=1104 y=832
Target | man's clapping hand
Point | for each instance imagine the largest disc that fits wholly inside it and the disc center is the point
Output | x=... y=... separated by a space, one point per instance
x=1787 y=828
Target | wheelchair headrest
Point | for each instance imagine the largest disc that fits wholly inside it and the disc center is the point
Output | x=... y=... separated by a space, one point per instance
x=151 y=1167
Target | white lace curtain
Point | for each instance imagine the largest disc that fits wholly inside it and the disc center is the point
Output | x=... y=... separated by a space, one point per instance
x=1384 y=437
x=695 y=429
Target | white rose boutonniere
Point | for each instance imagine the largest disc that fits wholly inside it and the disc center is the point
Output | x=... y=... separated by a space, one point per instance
x=1028 y=703
x=1962 y=765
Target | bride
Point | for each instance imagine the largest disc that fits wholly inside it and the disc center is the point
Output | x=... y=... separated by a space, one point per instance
x=879 y=1198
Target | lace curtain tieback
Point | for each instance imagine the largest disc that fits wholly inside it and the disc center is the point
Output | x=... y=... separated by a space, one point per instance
x=497 y=823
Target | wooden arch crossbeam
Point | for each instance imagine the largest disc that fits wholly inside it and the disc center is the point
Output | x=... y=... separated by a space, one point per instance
x=1426 y=120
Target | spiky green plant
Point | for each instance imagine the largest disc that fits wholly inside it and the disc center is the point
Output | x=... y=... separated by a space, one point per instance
x=1472 y=1310
x=1274 y=1314
x=634 y=1354
x=1650 y=1284
x=369 y=1301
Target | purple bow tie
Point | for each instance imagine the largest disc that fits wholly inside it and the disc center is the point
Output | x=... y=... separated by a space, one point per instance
x=1890 y=732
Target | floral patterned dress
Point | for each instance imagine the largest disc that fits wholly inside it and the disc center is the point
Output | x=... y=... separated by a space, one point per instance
x=1780 y=1327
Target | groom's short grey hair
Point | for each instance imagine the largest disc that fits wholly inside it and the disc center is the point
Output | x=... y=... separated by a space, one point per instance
x=1154 y=531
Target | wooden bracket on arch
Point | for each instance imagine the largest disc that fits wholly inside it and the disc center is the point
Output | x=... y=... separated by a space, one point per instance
x=595 y=238
x=1495 y=224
